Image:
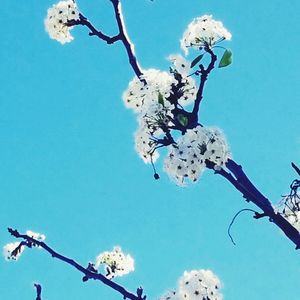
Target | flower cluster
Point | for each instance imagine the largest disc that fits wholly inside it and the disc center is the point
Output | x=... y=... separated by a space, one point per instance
x=35 y=235
x=204 y=32
x=57 y=18
x=13 y=251
x=289 y=206
x=140 y=96
x=187 y=158
x=154 y=101
x=116 y=263
x=196 y=285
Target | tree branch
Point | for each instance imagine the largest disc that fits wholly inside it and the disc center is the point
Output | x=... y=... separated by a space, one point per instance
x=38 y=288
x=296 y=168
x=203 y=78
x=122 y=36
x=242 y=183
x=125 y=40
x=89 y=273
x=94 y=32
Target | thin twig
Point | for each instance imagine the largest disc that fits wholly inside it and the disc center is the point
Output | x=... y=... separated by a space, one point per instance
x=38 y=288
x=121 y=36
x=296 y=168
x=242 y=183
x=233 y=219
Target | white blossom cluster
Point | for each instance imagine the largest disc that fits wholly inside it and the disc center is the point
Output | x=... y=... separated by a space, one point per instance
x=140 y=96
x=289 y=208
x=186 y=159
x=196 y=285
x=57 y=18
x=116 y=263
x=150 y=102
x=35 y=235
x=9 y=252
x=204 y=31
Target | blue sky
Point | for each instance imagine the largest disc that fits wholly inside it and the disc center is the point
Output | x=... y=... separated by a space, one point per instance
x=69 y=169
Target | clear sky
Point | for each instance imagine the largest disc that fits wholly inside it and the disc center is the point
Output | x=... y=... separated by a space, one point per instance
x=69 y=169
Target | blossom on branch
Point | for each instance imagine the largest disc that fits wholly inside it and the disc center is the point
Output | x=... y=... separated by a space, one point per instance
x=36 y=235
x=199 y=285
x=139 y=96
x=116 y=263
x=196 y=285
x=204 y=32
x=187 y=158
x=289 y=206
x=56 y=22
x=13 y=251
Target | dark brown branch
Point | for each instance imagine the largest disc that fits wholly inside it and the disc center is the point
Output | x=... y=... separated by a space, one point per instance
x=89 y=273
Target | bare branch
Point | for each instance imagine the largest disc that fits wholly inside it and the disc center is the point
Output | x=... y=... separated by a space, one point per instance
x=93 y=31
x=296 y=168
x=125 y=39
x=122 y=36
x=38 y=288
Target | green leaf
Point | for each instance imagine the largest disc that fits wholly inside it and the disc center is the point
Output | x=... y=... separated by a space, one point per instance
x=183 y=120
x=161 y=99
x=226 y=59
x=196 y=60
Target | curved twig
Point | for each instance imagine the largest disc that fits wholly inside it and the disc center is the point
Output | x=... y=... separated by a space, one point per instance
x=242 y=183
x=233 y=219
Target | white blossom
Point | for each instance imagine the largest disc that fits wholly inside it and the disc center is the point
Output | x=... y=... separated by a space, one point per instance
x=170 y=295
x=57 y=18
x=36 y=235
x=8 y=251
x=145 y=145
x=199 y=285
x=186 y=159
x=139 y=95
x=289 y=208
x=116 y=263
x=204 y=31
x=181 y=65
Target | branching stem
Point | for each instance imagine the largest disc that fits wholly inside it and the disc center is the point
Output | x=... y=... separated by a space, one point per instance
x=88 y=274
x=121 y=36
x=241 y=182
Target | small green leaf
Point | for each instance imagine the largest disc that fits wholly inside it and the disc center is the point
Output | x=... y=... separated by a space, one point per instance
x=196 y=60
x=183 y=120
x=161 y=99
x=226 y=59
